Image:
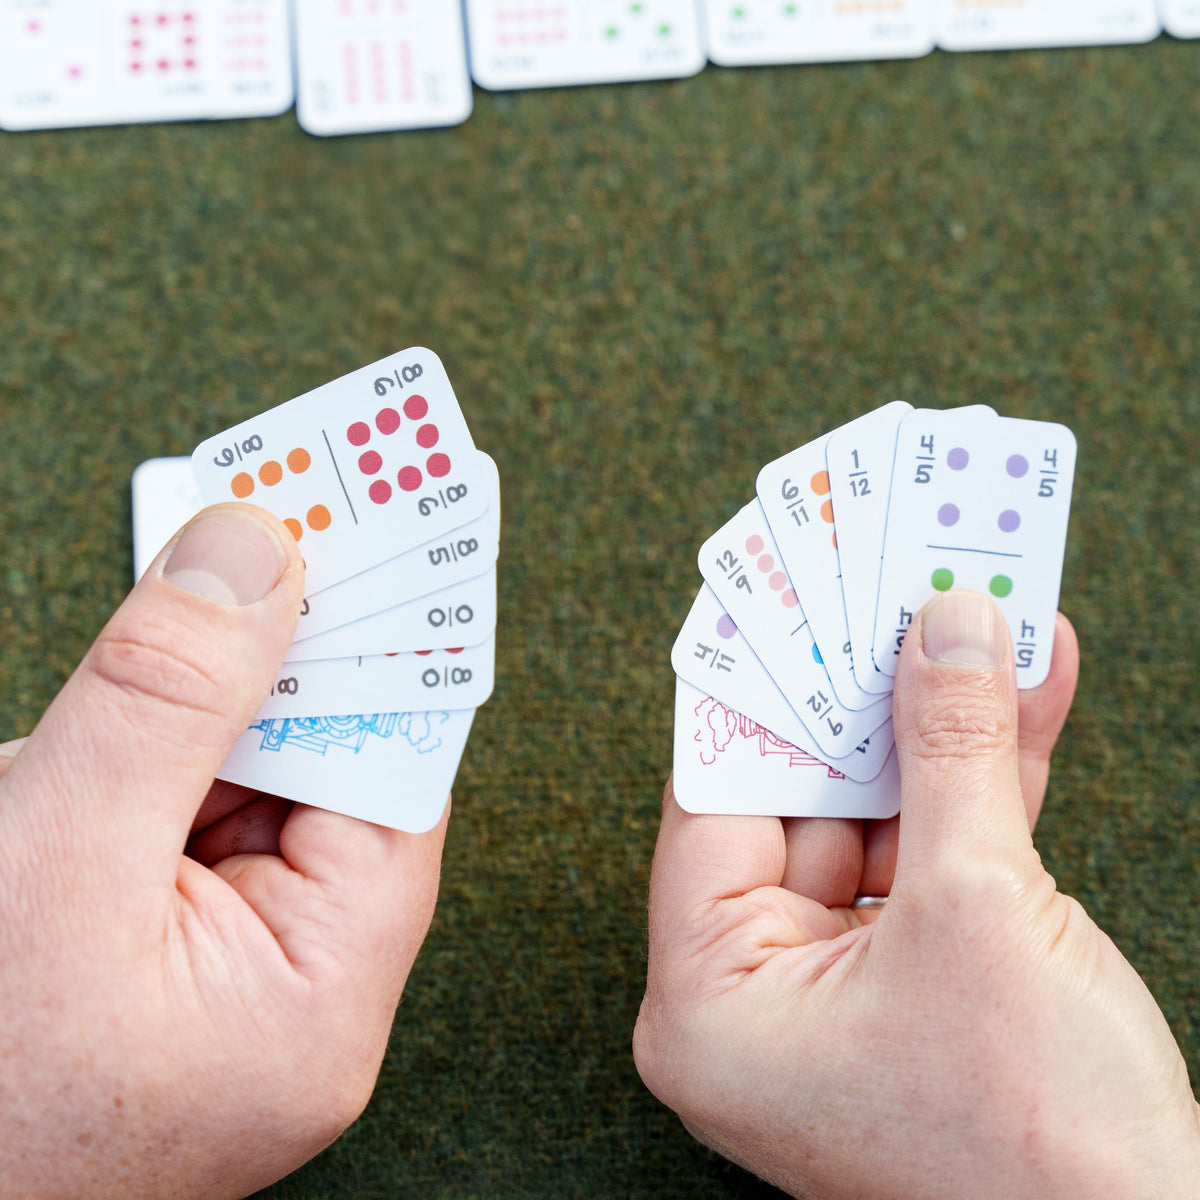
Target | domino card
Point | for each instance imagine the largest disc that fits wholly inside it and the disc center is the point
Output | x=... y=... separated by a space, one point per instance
x=393 y=769
x=463 y=614
x=1181 y=18
x=711 y=653
x=557 y=43
x=360 y=470
x=752 y=32
x=726 y=763
x=87 y=62
x=742 y=565
x=982 y=502
x=164 y=498
x=366 y=65
x=795 y=495
x=1027 y=24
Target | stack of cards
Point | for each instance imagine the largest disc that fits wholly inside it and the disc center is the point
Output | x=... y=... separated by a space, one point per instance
x=785 y=663
x=398 y=518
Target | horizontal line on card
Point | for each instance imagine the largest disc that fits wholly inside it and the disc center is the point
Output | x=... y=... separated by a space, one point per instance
x=975 y=550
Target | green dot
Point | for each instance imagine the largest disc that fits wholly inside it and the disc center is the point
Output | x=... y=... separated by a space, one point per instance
x=664 y=30
x=611 y=32
x=1000 y=586
x=942 y=579
x=739 y=12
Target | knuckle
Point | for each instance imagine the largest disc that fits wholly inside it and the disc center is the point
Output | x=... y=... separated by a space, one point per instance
x=962 y=727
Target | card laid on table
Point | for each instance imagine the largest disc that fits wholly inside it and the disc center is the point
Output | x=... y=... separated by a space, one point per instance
x=517 y=44
x=91 y=62
x=977 y=501
x=369 y=65
x=1028 y=24
x=360 y=470
x=1181 y=18
x=744 y=33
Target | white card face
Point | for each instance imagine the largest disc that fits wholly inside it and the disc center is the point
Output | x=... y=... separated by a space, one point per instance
x=365 y=65
x=361 y=469
x=742 y=565
x=794 y=493
x=726 y=763
x=87 y=62
x=711 y=653
x=749 y=32
x=165 y=498
x=980 y=502
x=1181 y=18
x=411 y=681
x=518 y=44
x=393 y=769
x=1027 y=24
x=461 y=615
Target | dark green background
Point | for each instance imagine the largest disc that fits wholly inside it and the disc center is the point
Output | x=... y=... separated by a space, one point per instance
x=641 y=293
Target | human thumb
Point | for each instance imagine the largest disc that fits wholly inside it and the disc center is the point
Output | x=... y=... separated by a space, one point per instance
x=955 y=720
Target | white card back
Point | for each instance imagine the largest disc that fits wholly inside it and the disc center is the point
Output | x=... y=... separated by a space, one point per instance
x=1181 y=18
x=1028 y=24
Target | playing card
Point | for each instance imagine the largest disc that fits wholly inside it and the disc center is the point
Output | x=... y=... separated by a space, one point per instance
x=711 y=653
x=360 y=470
x=748 y=32
x=518 y=44
x=742 y=565
x=164 y=498
x=794 y=493
x=393 y=769
x=724 y=762
x=461 y=615
x=87 y=62
x=1025 y=24
x=982 y=502
x=1180 y=18
x=364 y=65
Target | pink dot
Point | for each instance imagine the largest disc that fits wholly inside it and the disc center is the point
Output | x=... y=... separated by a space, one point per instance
x=777 y=581
x=163 y=65
x=765 y=563
x=790 y=599
x=754 y=544
x=135 y=20
x=380 y=491
x=409 y=478
x=359 y=434
x=427 y=436
x=370 y=462
x=387 y=420
x=163 y=18
x=415 y=407
x=438 y=465
x=34 y=27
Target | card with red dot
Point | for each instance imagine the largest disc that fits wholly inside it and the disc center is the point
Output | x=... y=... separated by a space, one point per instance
x=977 y=501
x=88 y=62
x=360 y=470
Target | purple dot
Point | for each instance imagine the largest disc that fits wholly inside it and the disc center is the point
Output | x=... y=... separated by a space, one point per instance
x=957 y=459
x=948 y=514
x=725 y=626
x=1009 y=520
x=1017 y=465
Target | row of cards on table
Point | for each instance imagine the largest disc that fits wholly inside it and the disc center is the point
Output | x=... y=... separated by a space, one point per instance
x=397 y=515
x=785 y=664
x=363 y=65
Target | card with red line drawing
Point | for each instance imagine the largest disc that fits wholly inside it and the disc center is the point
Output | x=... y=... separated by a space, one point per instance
x=360 y=470
x=366 y=65
x=726 y=763
x=981 y=502
x=751 y=32
x=1028 y=24
x=742 y=565
x=88 y=62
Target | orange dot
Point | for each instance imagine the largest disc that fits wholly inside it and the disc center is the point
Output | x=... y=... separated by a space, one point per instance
x=241 y=485
x=318 y=517
x=294 y=527
x=820 y=483
x=299 y=460
x=827 y=512
x=270 y=473
x=835 y=539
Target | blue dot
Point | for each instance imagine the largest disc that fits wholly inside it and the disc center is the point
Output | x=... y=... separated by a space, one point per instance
x=817 y=655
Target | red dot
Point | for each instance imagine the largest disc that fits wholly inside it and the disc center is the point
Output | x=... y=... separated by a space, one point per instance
x=438 y=465
x=359 y=434
x=415 y=407
x=409 y=478
x=456 y=650
x=380 y=491
x=422 y=653
x=387 y=420
x=427 y=436
x=370 y=463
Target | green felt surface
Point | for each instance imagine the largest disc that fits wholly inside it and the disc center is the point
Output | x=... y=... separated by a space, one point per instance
x=642 y=294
